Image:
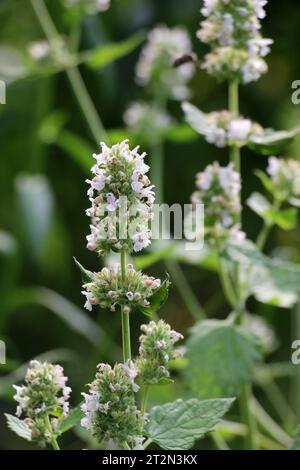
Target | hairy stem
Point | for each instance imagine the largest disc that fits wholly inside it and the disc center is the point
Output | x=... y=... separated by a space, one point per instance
x=233 y=93
x=74 y=76
x=125 y=315
x=244 y=400
x=53 y=441
x=266 y=229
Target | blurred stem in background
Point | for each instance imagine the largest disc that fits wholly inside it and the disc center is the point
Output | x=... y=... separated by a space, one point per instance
x=89 y=111
x=245 y=394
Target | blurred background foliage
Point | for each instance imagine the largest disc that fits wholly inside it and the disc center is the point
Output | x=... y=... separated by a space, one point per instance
x=46 y=149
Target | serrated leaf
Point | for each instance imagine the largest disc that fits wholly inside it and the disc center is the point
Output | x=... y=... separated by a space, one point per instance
x=271 y=281
x=221 y=357
x=177 y=425
x=70 y=421
x=18 y=426
x=87 y=276
x=157 y=299
x=108 y=53
x=272 y=142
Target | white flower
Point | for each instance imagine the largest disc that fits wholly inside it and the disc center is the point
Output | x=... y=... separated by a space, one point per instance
x=141 y=240
x=132 y=372
x=39 y=49
x=239 y=129
x=139 y=443
x=155 y=67
x=274 y=166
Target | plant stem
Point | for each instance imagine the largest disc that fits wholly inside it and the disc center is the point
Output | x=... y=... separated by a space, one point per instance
x=244 y=399
x=74 y=76
x=226 y=284
x=54 y=443
x=266 y=229
x=145 y=400
x=219 y=441
x=147 y=443
x=126 y=446
x=235 y=156
x=157 y=170
x=185 y=291
x=125 y=316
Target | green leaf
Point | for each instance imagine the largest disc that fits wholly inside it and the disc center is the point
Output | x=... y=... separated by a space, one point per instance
x=52 y=125
x=266 y=181
x=87 y=276
x=179 y=134
x=285 y=219
x=259 y=204
x=158 y=299
x=271 y=281
x=105 y=54
x=272 y=142
x=195 y=118
x=18 y=426
x=118 y=135
x=77 y=148
x=72 y=420
x=296 y=442
x=148 y=260
x=73 y=316
x=221 y=357
x=177 y=425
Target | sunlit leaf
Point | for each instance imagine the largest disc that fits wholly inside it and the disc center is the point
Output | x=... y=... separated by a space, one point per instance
x=271 y=281
x=195 y=118
x=18 y=426
x=107 y=53
x=178 y=425
x=179 y=133
x=285 y=218
x=272 y=142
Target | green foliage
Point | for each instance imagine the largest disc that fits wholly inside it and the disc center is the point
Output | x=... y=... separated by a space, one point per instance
x=72 y=420
x=105 y=54
x=158 y=299
x=178 y=425
x=221 y=358
x=285 y=219
x=18 y=426
x=271 y=281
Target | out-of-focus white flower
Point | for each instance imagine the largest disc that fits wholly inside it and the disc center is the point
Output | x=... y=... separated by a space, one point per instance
x=218 y=188
x=223 y=128
x=155 y=65
x=232 y=29
x=146 y=120
x=285 y=177
x=39 y=49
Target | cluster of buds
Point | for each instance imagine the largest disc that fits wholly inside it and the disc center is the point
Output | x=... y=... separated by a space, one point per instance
x=109 y=407
x=285 y=178
x=110 y=291
x=232 y=29
x=155 y=66
x=218 y=189
x=223 y=129
x=43 y=399
x=90 y=7
x=146 y=121
x=122 y=200
x=155 y=351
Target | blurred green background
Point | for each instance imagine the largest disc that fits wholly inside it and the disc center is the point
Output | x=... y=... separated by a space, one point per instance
x=43 y=190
